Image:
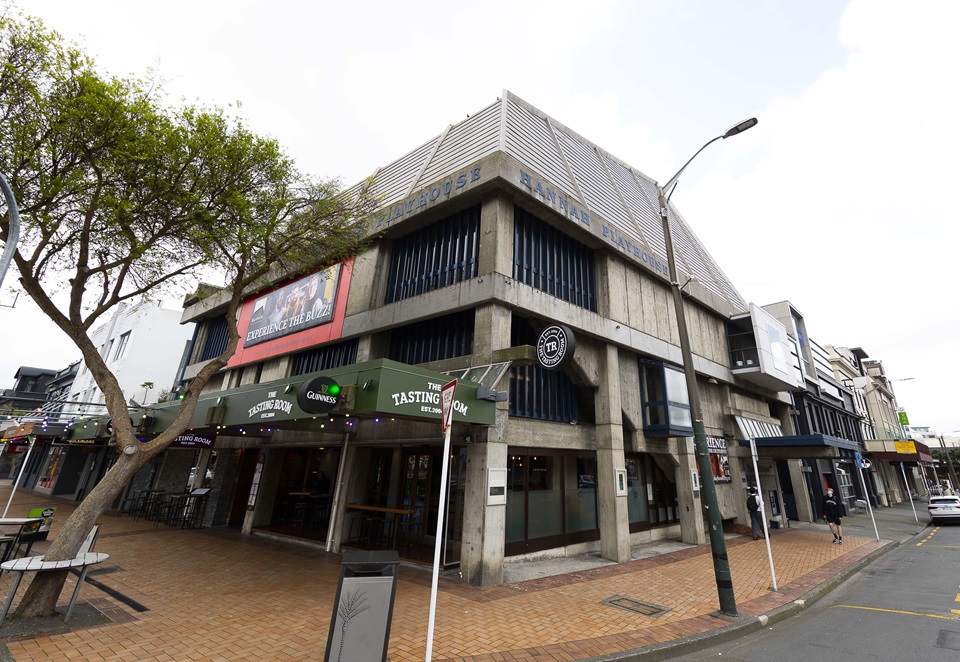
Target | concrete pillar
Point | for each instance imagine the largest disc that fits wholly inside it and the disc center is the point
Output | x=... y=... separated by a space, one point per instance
x=693 y=528
x=614 y=519
x=801 y=494
x=482 y=550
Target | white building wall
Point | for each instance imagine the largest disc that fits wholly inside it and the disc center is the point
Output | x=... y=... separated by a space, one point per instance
x=151 y=353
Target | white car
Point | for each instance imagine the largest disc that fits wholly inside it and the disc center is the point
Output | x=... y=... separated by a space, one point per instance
x=942 y=508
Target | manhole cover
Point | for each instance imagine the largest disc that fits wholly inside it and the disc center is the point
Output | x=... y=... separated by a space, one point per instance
x=636 y=606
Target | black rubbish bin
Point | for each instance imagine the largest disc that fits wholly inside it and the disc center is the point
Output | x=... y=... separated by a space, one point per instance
x=363 y=609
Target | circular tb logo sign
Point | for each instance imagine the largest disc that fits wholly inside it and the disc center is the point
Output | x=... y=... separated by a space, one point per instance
x=555 y=346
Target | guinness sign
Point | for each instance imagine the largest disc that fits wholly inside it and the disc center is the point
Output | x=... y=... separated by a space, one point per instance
x=555 y=346
x=320 y=395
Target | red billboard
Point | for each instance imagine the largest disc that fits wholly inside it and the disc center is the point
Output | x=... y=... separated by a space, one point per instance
x=293 y=316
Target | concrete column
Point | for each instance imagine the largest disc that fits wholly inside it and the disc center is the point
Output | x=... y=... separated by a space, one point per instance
x=801 y=495
x=693 y=528
x=614 y=519
x=482 y=550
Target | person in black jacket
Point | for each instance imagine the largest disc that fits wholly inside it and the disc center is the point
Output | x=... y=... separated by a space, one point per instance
x=754 y=505
x=831 y=511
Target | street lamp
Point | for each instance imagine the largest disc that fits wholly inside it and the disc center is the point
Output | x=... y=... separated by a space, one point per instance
x=13 y=231
x=721 y=565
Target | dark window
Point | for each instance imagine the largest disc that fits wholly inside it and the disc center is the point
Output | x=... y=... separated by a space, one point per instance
x=433 y=340
x=217 y=336
x=535 y=392
x=549 y=260
x=666 y=402
x=325 y=357
x=436 y=256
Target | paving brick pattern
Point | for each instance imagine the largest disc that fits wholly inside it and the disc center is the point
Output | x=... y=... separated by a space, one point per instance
x=213 y=594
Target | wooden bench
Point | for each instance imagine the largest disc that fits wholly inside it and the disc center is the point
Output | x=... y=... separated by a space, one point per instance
x=84 y=559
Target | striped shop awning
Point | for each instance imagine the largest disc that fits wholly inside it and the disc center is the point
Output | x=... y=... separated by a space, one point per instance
x=750 y=428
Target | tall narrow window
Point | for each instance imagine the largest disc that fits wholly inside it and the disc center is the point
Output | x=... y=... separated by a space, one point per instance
x=122 y=346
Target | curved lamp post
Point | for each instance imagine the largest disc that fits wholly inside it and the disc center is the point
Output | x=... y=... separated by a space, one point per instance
x=13 y=234
x=721 y=565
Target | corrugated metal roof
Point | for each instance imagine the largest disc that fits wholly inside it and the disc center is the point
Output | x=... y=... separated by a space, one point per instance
x=608 y=188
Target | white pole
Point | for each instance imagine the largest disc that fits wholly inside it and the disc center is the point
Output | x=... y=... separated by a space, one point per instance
x=437 y=544
x=337 y=491
x=19 y=476
x=867 y=494
x=909 y=493
x=766 y=532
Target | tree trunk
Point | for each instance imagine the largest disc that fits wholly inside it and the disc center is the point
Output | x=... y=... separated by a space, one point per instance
x=44 y=591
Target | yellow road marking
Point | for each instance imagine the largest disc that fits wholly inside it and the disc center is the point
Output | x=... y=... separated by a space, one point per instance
x=898 y=611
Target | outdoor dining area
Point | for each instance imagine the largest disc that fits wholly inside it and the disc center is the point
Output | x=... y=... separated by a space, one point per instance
x=184 y=510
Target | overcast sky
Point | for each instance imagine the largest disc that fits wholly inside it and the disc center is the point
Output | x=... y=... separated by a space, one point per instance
x=841 y=200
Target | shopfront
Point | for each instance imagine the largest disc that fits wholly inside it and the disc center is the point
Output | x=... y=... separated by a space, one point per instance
x=354 y=453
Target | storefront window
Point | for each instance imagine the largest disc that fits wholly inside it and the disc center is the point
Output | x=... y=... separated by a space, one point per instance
x=55 y=460
x=516 y=499
x=636 y=492
x=545 y=497
x=551 y=499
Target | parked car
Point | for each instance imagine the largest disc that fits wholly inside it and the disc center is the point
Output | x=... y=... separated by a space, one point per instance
x=943 y=508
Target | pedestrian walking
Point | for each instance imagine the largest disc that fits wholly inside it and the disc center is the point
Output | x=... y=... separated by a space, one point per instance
x=755 y=506
x=831 y=511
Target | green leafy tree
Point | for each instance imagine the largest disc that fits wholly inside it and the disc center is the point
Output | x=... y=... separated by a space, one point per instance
x=122 y=197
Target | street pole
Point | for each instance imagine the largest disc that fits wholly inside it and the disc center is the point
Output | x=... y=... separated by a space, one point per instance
x=766 y=530
x=718 y=546
x=953 y=476
x=863 y=481
x=906 y=483
x=13 y=230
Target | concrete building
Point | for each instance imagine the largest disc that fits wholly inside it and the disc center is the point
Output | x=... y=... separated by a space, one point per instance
x=528 y=263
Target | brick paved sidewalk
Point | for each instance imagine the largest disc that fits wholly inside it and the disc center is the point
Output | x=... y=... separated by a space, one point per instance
x=213 y=594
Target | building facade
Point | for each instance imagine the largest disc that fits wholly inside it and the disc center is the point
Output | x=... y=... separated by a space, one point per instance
x=499 y=240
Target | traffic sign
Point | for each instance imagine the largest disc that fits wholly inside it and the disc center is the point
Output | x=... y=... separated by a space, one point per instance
x=446 y=403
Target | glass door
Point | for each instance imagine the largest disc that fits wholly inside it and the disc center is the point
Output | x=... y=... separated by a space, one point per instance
x=420 y=493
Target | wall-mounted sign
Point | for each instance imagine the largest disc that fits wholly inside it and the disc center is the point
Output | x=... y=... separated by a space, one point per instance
x=719 y=461
x=905 y=446
x=319 y=395
x=300 y=305
x=191 y=440
x=270 y=407
x=496 y=487
x=555 y=346
x=902 y=415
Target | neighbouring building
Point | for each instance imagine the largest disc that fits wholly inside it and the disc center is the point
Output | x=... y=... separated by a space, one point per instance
x=140 y=344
